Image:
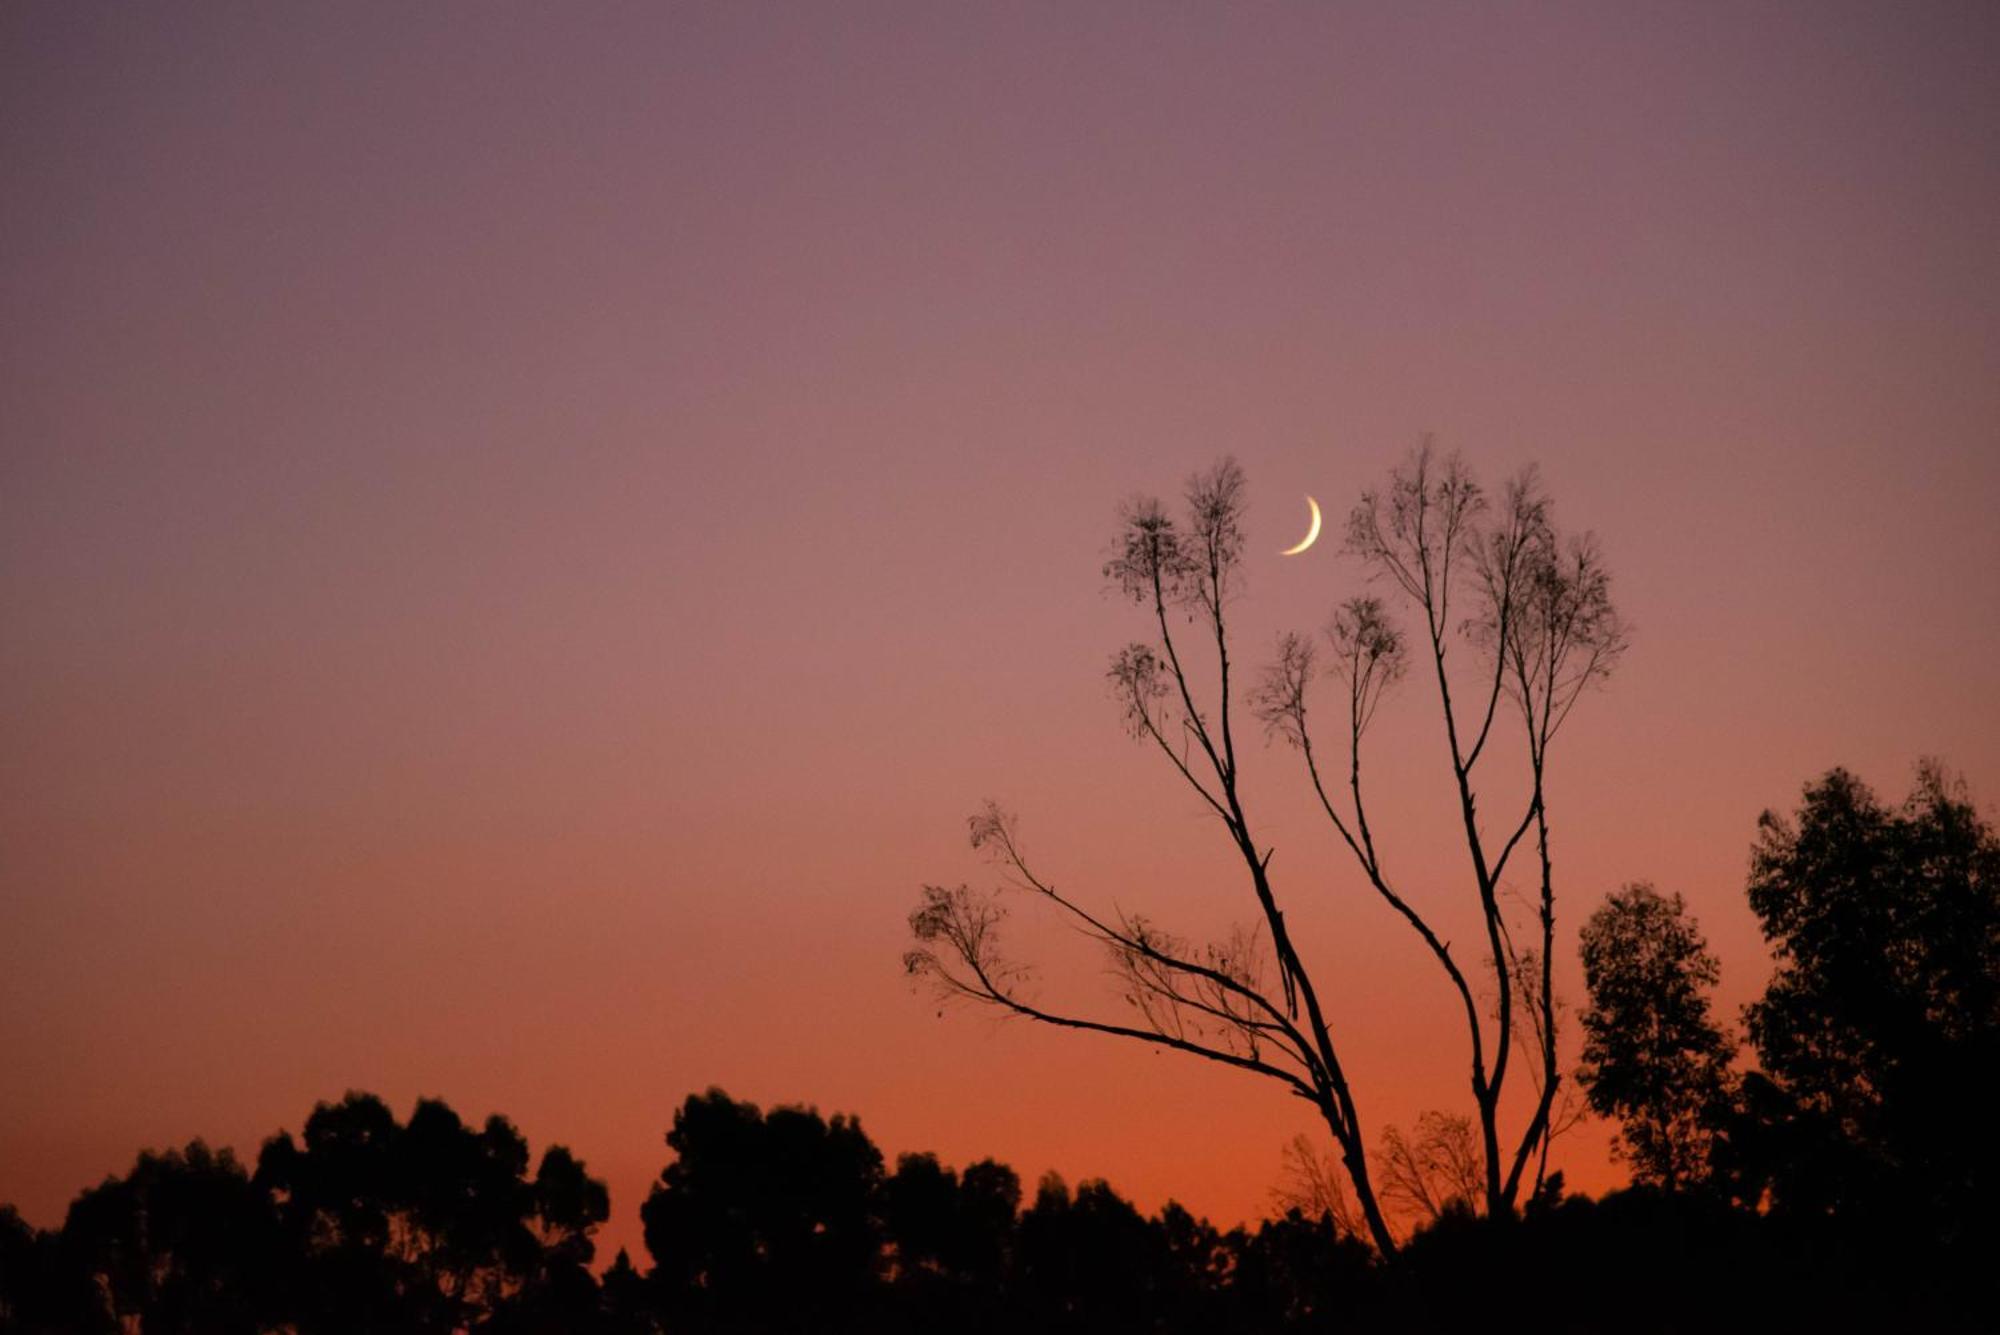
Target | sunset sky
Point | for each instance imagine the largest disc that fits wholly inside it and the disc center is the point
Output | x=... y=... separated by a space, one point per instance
x=525 y=530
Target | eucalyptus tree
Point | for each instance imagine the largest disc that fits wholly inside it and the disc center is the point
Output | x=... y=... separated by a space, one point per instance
x=1533 y=611
x=1652 y=1055
x=429 y=1224
x=765 y=1221
x=1882 y=1008
x=1531 y=608
x=185 y=1242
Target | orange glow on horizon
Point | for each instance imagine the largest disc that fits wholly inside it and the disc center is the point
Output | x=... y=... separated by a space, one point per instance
x=521 y=544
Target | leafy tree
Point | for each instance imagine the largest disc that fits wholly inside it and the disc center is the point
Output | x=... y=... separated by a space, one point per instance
x=627 y=1304
x=46 y=1287
x=949 y=1233
x=19 y=1244
x=1089 y=1261
x=556 y=1289
x=1299 y=1273
x=1652 y=1056
x=175 y=1246
x=1884 y=1009
x=765 y=1222
x=431 y=1225
x=1198 y=1265
x=1533 y=609
x=181 y=1245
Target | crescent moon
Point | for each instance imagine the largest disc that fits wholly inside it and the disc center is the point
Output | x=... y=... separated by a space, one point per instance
x=1311 y=533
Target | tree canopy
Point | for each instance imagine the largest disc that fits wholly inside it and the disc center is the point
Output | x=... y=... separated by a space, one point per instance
x=427 y=1222
x=763 y=1219
x=1882 y=1016
x=1653 y=1057
x=189 y=1241
x=365 y=1223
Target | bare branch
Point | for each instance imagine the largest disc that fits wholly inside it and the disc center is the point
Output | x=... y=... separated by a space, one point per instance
x=1311 y=1185
x=1433 y=1171
x=1226 y=984
x=1138 y=677
x=958 y=952
x=1368 y=654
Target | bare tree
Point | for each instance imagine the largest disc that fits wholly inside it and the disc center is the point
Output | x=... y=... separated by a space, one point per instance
x=1437 y=1169
x=1311 y=1185
x=1534 y=610
x=1544 y=627
x=1213 y=1001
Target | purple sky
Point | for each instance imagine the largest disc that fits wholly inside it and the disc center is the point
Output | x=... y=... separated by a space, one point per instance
x=525 y=530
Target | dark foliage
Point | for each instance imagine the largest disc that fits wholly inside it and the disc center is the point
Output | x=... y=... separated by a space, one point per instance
x=785 y=1221
x=183 y=1243
x=1881 y=1023
x=368 y=1225
x=430 y=1225
x=1652 y=1056
x=951 y=1236
x=765 y=1223
x=1852 y=1188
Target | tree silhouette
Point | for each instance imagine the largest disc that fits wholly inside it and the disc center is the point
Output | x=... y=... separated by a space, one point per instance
x=1089 y=1261
x=1543 y=626
x=1543 y=629
x=556 y=1289
x=1298 y=1273
x=180 y=1245
x=1884 y=1008
x=765 y=1222
x=796 y=1211
x=24 y=1273
x=430 y=1225
x=627 y=1301
x=50 y=1285
x=949 y=1237
x=1652 y=1056
x=1433 y=1171
x=1311 y=1186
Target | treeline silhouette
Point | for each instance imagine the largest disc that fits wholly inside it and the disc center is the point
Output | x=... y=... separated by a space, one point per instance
x=785 y=1221
x=1846 y=1183
x=1876 y=1041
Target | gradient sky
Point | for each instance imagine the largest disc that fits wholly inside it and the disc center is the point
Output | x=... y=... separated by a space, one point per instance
x=525 y=530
